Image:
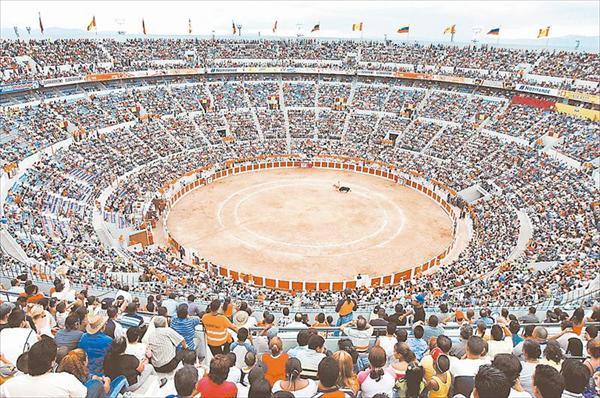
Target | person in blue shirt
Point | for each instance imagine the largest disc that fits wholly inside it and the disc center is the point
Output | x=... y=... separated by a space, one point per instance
x=185 y=326
x=417 y=344
x=514 y=328
x=95 y=344
x=484 y=315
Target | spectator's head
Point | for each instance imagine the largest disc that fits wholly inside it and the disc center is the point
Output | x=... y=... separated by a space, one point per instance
x=418 y=331
x=41 y=356
x=5 y=310
x=133 y=334
x=414 y=377
x=361 y=323
x=293 y=368
x=182 y=311
x=591 y=332
x=275 y=346
x=575 y=374
x=553 y=352
x=298 y=317
x=118 y=346
x=316 y=342
x=566 y=324
x=574 y=347
x=491 y=383
x=219 y=369
x=259 y=389
x=547 y=382
x=75 y=362
x=328 y=372
x=528 y=331
x=510 y=365
x=377 y=361
x=475 y=347
x=188 y=357
x=344 y=360
x=160 y=322
x=540 y=333
x=215 y=305
x=286 y=311
x=320 y=317
x=402 y=352
x=72 y=322
x=497 y=333
x=390 y=329
x=399 y=309
x=444 y=343
x=466 y=331
x=257 y=373
x=185 y=380
x=401 y=335
x=250 y=359
x=17 y=319
x=532 y=310
x=504 y=313
x=242 y=334
x=514 y=327
x=433 y=321
x=531 y=350
x=131 y=308
x=593 y=348
x=191 y=298
x=303 y=337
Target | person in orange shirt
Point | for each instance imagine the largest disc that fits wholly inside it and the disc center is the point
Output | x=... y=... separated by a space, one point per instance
x=216 y=325
x=275 y=361
x=345 y=309
x=227 y=308
x=32 y=293
x=578 y=320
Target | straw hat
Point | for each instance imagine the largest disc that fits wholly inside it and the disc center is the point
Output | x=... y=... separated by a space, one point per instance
x=95 y=323
x=36 y=310
x=240 y=318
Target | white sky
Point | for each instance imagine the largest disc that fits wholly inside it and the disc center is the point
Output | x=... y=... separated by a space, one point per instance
x=427 y=19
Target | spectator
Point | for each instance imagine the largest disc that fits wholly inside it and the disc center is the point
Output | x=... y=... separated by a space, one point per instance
x=214 y=384
x=491 y=383
x=328 y=373
x=216 y=325
x=5 y=310
x=359 y=332
x=514 y=328
x=242 y=346
x=171 y=304
x=75 y=362
x=459 y=350
x=95 y=343
x=235 y=374
x=347 y=380
x=593 y=349
x=193 y=308
x=292 y=382
x=302 y=339
x=500 y=343
x=444 y=344
x=163 y=345
x=440 y=383
x=417 y=344
x=17 y=337
x=547 y=382
x=539 y=335
x=185 y=325
x=576 y=377
x=375 y=380
x=69 y=336
x=566 y=333
x=388 y=341
x=185 y=382
x=381 y=319
x=40 y=381
x=531 y=354
x=553 y=355
x=113 y=328
x=275 y=360
x=345 y=308
x=311 y=358
x=432 y=329
x=259 y=389
x=131 y=316
x=574 y=347
x=117 y=363
x=399 y=315
x=530 y=317
x=134 y=346
x=511 y=367
x=474 y=358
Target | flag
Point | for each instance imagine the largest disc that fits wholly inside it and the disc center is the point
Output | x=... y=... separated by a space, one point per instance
x=41 y=24
x=143 y=26
x=316 y=28
x=16 y=31
x=494 y=32
x=450 y=29
x=189 y=25
x=275 y=27
x=403 y=29
x=233 y=28
x=544 y=32
x=92 y=24
x=357 y=27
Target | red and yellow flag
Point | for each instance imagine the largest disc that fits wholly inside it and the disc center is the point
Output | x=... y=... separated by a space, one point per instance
x=275 y=27
x=357 y=27
x=543 y=32
x=450 y=29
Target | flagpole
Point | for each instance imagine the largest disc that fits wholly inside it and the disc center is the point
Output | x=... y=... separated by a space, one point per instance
x=498 y=38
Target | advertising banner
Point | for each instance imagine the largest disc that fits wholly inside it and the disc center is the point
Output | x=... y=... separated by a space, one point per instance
x=15 y=87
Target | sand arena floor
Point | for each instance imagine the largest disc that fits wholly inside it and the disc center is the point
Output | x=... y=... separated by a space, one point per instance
x=292 y=224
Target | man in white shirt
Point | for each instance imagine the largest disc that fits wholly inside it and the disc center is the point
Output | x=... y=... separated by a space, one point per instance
x=311 y=358
x=566 y=333
x=360 y=333
x=125 y=293
x=15 y=287
x=40 y=381
x=17 y=338
x=469 y=366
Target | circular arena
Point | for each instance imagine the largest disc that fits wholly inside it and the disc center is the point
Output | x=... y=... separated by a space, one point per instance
x=298 y=217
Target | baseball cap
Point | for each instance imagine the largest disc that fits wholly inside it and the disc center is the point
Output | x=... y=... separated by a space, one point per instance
x=420 y=298
x=5 y=309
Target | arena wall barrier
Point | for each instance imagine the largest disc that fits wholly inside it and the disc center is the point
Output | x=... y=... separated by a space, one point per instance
x=175 y=191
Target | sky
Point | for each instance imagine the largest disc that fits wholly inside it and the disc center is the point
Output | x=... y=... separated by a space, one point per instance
x=427 y=19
